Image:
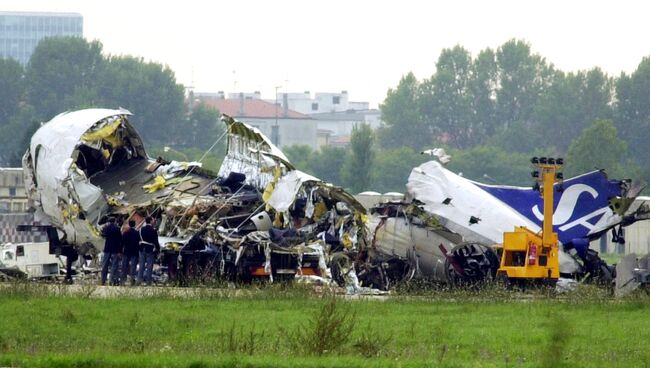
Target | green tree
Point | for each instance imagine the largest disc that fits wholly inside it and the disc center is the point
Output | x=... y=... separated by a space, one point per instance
x=12 y=88
x=598 y=147
x=523 y=77
x=357 y=168
x=633 y=110
x=518 y=138
x=570 y=104
x=483 y=85
x=62 y=74
x=446 y=98
x=300 y=155
x=202 y=129
x=149 y=90
x=401 y=114
x=327 y=162
x=597 y=95
x=492 y=165
x=16 y=135
x=392 y=168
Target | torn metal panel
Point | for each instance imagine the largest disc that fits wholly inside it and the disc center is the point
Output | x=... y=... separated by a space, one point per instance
x=396 y=236
x=582 y=204
x=626 y=282
x=418 y=245
x=286 y=189
x=632 y=272
x=64 y=153
x=585 y=207
x=433 y=185
x=250 y=153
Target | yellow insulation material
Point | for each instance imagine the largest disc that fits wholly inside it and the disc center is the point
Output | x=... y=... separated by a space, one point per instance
x=319 y=210
x=346 y=240
x=271 y=186
x=106 y=133
x=158 y=183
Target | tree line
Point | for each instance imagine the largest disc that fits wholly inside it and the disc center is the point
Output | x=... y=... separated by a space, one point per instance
x=492 y=112
x=496 y=110
x=72 y=73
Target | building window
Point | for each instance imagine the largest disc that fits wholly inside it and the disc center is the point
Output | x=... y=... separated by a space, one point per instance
x=16 y=207
x=336 y=100
x=20 y=251
x=275 y=135
x=314 y=106
x=12 y=191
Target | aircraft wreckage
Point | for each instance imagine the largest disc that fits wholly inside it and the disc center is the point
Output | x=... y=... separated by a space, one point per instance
x=257 y=217
x=260 y=217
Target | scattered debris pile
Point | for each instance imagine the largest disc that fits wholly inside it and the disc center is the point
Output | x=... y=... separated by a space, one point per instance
x=632 y=272
x=409 y=242
x=258 y=217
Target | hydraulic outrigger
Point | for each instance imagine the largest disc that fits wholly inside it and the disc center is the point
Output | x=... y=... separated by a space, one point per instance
x=530 y=255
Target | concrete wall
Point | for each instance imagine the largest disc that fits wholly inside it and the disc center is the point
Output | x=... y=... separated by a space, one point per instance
x=342 y=123
x=637 y=237
x=323 y=102
x=12 y=191
x=292 y=131
x=637 y=240
x=337 y=127
x=300 y=102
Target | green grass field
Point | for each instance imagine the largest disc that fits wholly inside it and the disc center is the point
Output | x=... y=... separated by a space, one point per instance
x=283 y=327
x=611 y=258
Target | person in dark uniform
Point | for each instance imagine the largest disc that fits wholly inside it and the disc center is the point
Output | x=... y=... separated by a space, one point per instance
x=112 y=250
x=131 y=244
x=149 y=247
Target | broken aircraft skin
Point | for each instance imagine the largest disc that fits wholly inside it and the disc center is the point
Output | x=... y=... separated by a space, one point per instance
x=258 y=217
x=447 y=226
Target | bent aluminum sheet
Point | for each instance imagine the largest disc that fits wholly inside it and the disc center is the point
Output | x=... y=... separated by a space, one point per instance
x=287 y=188
x=250 y=153
x=435 y=186
x=581 y=207
x=51 y=150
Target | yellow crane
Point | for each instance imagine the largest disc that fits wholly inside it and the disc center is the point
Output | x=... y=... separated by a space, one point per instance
x=530 y=255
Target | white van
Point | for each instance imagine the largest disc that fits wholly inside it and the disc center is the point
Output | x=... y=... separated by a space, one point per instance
x=33 y=259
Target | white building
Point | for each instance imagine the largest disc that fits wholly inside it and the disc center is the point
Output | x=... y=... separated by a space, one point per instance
x=323 y=102
x=20 y=32
x=335 y=114
x=341 y=123
x=325 y=119
x=637 y=237
x=283 y=126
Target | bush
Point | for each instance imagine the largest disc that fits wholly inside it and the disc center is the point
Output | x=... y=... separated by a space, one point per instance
x=329 y=331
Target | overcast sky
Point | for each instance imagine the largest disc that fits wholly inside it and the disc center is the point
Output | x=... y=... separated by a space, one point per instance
x=363 y=47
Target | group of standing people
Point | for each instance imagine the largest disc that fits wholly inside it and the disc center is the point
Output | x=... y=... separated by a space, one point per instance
x=132 y=249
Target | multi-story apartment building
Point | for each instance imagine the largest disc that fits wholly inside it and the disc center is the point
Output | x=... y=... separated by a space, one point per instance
x=20 y=32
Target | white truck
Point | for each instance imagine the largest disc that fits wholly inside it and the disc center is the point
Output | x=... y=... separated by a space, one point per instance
x=29 y=259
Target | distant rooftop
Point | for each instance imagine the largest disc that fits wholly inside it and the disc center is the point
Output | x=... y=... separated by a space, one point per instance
x=350 y=114
x=252 y=108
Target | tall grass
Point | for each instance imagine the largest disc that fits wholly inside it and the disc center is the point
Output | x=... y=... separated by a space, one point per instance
x=281 y=325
